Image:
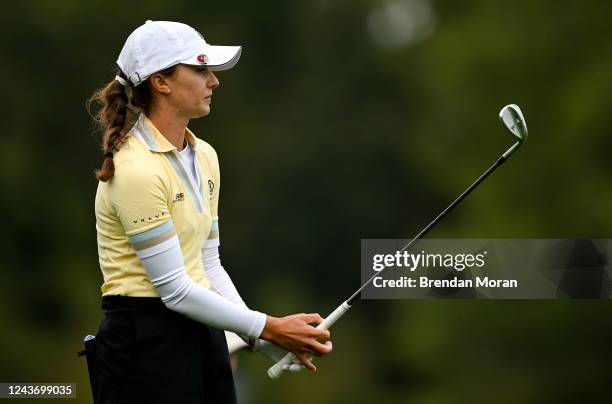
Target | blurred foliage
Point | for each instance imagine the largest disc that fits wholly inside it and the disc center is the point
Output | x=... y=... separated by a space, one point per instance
x=343 y=120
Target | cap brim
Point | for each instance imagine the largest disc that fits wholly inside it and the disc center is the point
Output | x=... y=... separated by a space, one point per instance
x=217 y=58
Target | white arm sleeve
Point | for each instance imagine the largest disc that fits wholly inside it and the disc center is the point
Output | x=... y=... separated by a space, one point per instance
x=166 y=269
x=220 y=281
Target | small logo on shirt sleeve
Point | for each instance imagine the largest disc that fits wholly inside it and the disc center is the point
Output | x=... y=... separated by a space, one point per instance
x=211 y=187
x=142 y=219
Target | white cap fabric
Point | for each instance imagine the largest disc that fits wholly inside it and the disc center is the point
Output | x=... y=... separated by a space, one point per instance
x=157 y=45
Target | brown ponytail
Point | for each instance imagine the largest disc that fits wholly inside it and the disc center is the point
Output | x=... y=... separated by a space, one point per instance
x=120 y=107
x=111 y=118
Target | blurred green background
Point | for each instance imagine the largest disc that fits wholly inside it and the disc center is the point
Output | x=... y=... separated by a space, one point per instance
x=344 y=120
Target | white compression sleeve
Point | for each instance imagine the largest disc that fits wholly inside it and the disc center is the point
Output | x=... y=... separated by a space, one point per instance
x=220 y=281
x=166 y=269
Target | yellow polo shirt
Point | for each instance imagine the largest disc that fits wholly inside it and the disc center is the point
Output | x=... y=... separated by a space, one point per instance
x=150 y=198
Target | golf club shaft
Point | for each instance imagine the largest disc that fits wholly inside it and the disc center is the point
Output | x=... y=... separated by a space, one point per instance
x=431 y=225
x=276 y=370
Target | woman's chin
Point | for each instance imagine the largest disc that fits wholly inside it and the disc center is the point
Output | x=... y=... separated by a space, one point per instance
x=203 y=111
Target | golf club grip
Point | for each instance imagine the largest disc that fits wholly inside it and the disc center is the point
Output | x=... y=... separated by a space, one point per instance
x=276 y=370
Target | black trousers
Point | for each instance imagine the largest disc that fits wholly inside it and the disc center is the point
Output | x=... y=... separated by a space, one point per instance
x=146 y=353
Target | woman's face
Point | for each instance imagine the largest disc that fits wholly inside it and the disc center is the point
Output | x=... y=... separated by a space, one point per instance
x=191 y=89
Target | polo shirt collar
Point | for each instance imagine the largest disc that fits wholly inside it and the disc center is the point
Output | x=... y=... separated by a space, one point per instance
x=155 y=140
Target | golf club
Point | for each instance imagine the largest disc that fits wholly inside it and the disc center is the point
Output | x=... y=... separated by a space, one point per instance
x=512 y=118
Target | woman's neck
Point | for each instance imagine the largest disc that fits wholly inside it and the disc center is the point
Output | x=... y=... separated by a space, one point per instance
x=172 y=127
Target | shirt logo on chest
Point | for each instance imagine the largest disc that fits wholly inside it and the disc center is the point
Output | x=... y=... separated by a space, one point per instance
x=211 y=187
x=180 y=197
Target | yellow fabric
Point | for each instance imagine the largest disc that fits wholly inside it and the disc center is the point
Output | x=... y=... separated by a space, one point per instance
x=146 y=191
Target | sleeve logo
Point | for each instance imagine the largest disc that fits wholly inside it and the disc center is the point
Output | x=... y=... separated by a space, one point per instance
x=142 y=220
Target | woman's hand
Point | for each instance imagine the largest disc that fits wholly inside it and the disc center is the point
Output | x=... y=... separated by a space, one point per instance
x=297 y=334
x=276 y=353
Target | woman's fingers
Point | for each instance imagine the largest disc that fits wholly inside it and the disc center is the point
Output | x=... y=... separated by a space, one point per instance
x=312 y=341
x=315 y=319
x=313 y=346
x=303 y=357
x=324 y=348
x=312 y=318
x=297 y=334
x=318 y=349
x=322 y=335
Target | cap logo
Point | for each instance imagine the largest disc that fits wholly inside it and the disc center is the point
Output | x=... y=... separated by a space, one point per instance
x=202 y=59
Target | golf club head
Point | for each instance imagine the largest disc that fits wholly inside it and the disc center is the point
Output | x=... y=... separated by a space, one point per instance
x=512 y=118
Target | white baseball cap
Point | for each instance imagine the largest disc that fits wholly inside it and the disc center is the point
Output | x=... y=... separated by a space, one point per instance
x=157 y=45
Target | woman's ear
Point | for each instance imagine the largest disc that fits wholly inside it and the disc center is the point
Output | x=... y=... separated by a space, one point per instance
x=159 y=83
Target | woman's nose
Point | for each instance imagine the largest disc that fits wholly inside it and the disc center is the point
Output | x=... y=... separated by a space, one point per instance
x=214 y=81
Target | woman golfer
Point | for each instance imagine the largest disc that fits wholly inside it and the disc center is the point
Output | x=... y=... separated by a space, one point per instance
x=166 y=297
